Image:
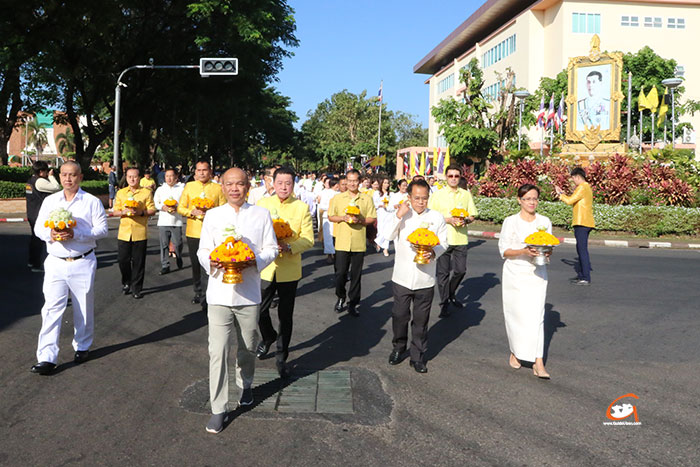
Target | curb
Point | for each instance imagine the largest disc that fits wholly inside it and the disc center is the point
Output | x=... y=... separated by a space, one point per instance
x=606 y=243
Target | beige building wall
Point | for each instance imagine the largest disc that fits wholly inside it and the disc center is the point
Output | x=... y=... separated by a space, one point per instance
x=545 y=41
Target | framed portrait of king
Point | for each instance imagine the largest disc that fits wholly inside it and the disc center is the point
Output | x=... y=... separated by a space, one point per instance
x=594 y=97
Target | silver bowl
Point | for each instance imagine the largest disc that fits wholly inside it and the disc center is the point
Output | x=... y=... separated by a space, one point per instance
x=541 y=259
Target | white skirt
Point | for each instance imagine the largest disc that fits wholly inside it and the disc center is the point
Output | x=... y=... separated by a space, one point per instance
x=524 y=295
x=328 y=248
x=382 y=218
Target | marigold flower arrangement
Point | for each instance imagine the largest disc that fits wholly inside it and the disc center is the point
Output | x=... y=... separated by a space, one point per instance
x=282 y=228
x=130 y=204
x=541 y=238
x=423 y=240
x=234 y=254
x=170 y=202
x=60 y=220
x=460 y=212
x=353 y=209
x=202 y=202
x=385 y=200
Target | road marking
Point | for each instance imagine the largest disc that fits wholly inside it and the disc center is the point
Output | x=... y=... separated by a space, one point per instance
x=570 y=240
x=617 y=243
x=693 y=245
x=660 y=245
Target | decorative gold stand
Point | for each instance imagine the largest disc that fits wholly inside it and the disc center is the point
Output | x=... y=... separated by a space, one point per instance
x=232 y=271
x=420 y=250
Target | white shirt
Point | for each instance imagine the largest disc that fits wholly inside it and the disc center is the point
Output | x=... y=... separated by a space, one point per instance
x=258 y=193
x=408 y=273
x=254 y=224
x=165 y=191
x=308 y=197
x=91 y=223
x=396 y=198
x=325 y=199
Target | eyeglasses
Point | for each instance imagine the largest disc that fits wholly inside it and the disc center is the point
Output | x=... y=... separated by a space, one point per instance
x=530 y=199
x=453 y=176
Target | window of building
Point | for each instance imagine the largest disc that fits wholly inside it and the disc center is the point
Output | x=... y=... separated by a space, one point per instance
x=446 y=83
x=625 y=21
x=652 y=22
x=499 y=51
x=586 y=23
x=676 y=23
x=634 y=21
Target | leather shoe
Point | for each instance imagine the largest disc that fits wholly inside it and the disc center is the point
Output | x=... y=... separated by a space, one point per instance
x=353 y=311
x=419 y=367
x=81 y=356
x=395 y=357
x=196 y=299
x=339 y=305
x=283 y=370
x=138 y=295
x=263 y=349
x=179 y=262
x=43 y=368
x=126 y=289
x=453 y=301
x=444 y=311
x=164 y=271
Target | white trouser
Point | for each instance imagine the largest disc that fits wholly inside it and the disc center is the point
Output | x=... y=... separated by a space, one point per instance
x=327 y=226
x=61 y=278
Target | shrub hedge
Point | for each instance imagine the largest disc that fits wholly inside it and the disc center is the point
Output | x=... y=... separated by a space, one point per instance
x=643 y=220
x=22 y=174
x=17 y=190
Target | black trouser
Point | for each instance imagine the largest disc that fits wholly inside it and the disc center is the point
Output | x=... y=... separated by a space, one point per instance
x=401 y=314
x=287 y=292
x=581 y=233
x=193 y=246
x=453 y=260
x=132 y=263
x=353 y=261
x=37 y=248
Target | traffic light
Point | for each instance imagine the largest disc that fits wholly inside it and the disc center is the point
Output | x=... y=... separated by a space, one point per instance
x=218 y=66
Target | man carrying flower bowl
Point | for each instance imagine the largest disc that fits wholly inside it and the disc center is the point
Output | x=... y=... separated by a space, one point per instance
x=169 y=221
x=350 y=240
x=413 y=283
x=133 y=232
x=69 y=268
x=234 y=305
x=452 y=266
x=282 y=276
x=202 y=183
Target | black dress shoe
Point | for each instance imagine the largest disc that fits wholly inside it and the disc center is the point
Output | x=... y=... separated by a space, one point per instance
x=275 y=302
x=179 y=262
x=455 y=303
x=263 y=348
x=339 y=305
x=126 y=289
x=395 y=357
x=81 y=356
x=138 y=295
x=196 y=299
x=43 y=368
x=164 y=271
x=283 y=370
x=419 y=367
x=353 y=311
x=444 y=311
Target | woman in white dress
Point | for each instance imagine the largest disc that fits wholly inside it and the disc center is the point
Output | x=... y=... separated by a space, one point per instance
x=396 y=198
x=383 y=214
x=524 y=284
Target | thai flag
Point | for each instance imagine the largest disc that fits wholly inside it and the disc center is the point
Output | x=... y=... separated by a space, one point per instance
x=416 y=161
x=541 y=113
x=551 y=114
x=560 y=113
x=379 y=94
x=440 y=164
x=428 y=164
x=406 y=165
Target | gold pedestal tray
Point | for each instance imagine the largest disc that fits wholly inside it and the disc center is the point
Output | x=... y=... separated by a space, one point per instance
x=420 y=250
x=232 y=271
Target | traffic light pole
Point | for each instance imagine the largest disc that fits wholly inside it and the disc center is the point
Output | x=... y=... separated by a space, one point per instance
x=118 y=99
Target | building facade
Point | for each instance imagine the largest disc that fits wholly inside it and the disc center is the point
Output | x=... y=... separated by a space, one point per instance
x=535 y=39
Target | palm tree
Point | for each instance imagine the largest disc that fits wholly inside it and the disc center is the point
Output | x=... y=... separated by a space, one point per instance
x=65 y=141
x=36 y=136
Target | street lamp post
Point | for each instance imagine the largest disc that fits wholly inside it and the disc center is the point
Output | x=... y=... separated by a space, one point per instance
x=672 y=84
x=521 y=95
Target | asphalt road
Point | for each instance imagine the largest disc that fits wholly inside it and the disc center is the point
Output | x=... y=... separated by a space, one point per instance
x=635 y=330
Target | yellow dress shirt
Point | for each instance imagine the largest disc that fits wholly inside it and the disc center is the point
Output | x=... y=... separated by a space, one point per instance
x=193 y=190
x=446 y=200
x=582 y=199
x=147 y=183
x=134 y=229
x=287 y=266
x=351 y=237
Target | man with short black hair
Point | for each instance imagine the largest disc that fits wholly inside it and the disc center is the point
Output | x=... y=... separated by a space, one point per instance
x=169 y=221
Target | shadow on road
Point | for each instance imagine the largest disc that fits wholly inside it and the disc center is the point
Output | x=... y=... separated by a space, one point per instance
x=552 y=322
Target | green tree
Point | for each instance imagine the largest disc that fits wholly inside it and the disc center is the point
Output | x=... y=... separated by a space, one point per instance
x=65 y=142
x=36 y=135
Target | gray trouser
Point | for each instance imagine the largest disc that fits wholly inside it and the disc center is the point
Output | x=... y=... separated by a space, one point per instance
x=165 y=234
x=245 y=320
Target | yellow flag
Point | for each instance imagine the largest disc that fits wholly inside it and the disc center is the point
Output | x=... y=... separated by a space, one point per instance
x=422 y=163
x=653 y=99
x=663 y=108
x=642 y=101
x=378 y=161
x=413 y=164
x=447 y=158
x=436 y=157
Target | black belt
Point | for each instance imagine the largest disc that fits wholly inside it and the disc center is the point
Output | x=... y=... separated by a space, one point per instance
x=70 y=259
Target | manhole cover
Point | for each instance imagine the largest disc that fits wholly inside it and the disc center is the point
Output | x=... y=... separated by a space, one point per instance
x=345 y=395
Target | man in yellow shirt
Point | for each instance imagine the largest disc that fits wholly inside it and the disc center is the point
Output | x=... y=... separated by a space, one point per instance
x=583 y=222
x=133 y=231
x=350 y=233
x=282 y=276
x=201 y=187
x=147 y=181
x=454 y=260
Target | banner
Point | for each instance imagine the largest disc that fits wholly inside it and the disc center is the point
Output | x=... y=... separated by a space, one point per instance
x=378 y=161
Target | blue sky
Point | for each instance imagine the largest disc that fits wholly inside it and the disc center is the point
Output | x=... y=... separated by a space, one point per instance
x=354 y=44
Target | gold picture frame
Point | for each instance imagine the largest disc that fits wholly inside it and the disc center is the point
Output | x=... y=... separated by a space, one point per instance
x=594 y=123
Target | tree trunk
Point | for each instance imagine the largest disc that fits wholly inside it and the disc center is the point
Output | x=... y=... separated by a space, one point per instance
x=10 y=97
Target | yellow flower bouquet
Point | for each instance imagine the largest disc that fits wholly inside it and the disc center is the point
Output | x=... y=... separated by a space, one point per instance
x=171 y=203
x=60 y=220
x=282 y=228
x=234 y=254
x=544 y=242
x=353 y=210
x=423 y=240
x=131 y=205
x=460 y=212
x=203 y=204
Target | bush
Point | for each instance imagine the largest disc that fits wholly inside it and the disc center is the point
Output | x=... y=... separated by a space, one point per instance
x=15 y=174
x=643 y=220
x=95 y=187
x=12 y=189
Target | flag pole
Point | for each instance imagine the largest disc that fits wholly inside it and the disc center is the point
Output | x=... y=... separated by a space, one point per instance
x=629 y=108
x=652 y=128
x=541 y=141
x=641 y=130
x=379 y=130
